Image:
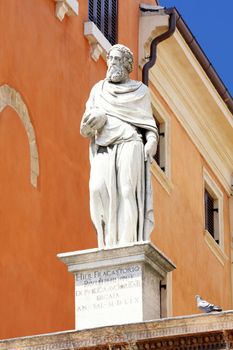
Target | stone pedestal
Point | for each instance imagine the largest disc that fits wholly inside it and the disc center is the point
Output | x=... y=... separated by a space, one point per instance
x=118 y=285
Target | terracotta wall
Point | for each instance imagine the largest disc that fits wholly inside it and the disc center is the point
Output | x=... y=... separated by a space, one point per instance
x=48 y=63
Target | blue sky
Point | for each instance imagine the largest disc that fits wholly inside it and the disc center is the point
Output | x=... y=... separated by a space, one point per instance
x=211 y=23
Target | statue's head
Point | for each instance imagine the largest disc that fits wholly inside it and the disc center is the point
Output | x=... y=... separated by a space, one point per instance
x=120 y=63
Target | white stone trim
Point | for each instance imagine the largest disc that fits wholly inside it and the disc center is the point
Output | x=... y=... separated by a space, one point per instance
x=99 y=45
x=10 y=97
x=214 y=190
x=66 y=7
x=159 y=174
x=169 y=295
x=214 y=247
x=100 y=258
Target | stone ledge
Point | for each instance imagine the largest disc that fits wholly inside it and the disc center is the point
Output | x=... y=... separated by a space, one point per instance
x=97 y=258
x=98 y=43
x=202 y=331
x=66 y=7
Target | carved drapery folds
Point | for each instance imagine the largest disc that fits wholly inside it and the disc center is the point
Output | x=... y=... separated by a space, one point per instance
x=10 y=97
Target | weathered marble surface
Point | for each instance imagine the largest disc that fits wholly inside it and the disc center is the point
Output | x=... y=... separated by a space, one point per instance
x=209 y=331
x=117 y=285
x=119 y=122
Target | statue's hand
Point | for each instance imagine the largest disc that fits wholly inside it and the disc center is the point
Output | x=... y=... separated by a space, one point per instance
x=150 y=149
x=96 y=119
x=86 y=131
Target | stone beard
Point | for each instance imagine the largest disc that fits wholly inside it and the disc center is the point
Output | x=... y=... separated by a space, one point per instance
x=116 y=74
x=117 y=119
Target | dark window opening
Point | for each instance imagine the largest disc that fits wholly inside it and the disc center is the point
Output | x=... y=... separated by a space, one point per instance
x=104 y=14
x=160 y=154
x=211 y=215
x=163 y=299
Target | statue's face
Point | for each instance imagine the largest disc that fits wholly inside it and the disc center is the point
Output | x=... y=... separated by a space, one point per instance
x=116 y=72
x=115 y=58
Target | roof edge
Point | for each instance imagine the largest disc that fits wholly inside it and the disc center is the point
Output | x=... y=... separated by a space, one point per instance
x=203 y=60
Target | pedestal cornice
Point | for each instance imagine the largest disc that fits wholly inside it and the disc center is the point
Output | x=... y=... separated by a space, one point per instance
x=97 y=258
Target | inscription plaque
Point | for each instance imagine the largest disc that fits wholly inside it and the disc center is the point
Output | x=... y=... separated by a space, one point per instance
x=119 y=285
x=103 y=296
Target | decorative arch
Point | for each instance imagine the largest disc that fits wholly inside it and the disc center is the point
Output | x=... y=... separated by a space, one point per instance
x=11 y=97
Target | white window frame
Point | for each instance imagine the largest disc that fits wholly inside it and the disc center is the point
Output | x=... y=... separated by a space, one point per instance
x=163 y=176
x=217 y=248
x=166 y=296
x=162 y=142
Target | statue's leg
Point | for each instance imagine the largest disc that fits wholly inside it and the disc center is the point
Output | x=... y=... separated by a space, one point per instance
x=129 y=163
x=99 y=196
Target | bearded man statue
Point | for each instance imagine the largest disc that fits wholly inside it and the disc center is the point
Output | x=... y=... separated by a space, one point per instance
x=119 y=121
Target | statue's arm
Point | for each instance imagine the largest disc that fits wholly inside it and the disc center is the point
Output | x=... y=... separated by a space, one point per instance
x=152 y=136
x=93 y=119
x=151 y=145
x=85 y=129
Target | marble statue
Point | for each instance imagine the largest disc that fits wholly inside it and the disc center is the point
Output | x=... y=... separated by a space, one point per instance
x=119 y=121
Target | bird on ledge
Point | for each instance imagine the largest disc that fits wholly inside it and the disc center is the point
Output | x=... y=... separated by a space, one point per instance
x=205 y=306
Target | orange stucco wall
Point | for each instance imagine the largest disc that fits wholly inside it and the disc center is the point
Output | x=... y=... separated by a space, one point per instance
x=48 y=62
x=179 y=229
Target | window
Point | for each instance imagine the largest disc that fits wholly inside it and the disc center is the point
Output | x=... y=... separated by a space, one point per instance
x=166 y=296
x=104 y=14
x=211 y=215
x=213 y=211
x=160 y=154
x=161 y=166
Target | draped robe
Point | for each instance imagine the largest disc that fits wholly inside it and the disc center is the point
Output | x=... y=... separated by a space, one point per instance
x=120 y=144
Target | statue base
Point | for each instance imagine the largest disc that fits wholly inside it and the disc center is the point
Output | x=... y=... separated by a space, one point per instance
x=118 y=285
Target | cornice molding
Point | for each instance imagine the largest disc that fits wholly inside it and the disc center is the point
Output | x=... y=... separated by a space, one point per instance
x=202 y=75
x=194 y=332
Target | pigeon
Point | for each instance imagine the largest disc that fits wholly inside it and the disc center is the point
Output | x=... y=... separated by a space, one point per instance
x=205 y=306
